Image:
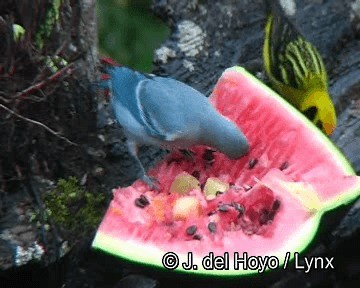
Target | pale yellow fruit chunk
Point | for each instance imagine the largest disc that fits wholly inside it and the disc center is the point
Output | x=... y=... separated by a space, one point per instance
x=184 y=183
x=214 y=185
x=305 y=193
x=185 y=207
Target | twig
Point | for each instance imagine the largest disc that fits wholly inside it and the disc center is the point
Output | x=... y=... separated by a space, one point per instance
x=57 y=134
x=42 y=83
x=4 y=99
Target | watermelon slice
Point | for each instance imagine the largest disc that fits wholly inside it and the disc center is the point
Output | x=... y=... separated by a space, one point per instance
x=266 y=204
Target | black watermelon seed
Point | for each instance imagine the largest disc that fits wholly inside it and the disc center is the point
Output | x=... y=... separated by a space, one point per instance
x=144 y=200
x=271 y=216
x=276 y=205
x=202 y=185
x=197 y=237
x=252 y=163
x=247 y=187
x=138 y=203
x=196 y=174
x=219 y=193
x=264 y=217
x=212 y=227
x=208 y=155
x=284 y=166
x=187 y=153
x=238 y=207
x=265 y=211
x=191 y=230
x=223 y=208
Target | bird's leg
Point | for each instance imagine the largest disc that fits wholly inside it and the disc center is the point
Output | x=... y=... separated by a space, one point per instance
x=133 y=149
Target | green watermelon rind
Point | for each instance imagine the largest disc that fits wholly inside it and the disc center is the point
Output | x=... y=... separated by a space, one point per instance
x=150 y=255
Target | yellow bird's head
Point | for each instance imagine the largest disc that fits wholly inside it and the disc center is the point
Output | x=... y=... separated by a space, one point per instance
x=318 y=107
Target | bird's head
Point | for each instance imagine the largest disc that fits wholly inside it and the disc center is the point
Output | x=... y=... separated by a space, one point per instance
x=106 y=62
x=235 y=144
x=223 y=135
x=319 y=108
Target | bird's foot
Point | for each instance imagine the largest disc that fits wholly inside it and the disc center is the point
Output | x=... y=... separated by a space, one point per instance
x=188 y=154
x=152 y=182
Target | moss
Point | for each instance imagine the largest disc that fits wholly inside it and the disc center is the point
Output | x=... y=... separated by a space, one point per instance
x=73 y=208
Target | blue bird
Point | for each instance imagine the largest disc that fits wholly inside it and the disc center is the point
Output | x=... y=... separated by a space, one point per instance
x=164 y=112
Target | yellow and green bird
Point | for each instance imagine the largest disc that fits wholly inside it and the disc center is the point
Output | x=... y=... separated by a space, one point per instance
x=296 y=71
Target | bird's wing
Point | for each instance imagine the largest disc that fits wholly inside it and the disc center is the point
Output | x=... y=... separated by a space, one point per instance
x=169 y=108
x=280 y=34
x=293 y=59
x=124 y=84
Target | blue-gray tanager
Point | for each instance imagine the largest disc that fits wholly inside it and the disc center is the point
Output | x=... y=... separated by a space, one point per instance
x=164 y=112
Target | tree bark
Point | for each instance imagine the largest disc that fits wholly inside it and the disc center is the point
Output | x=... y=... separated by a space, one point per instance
x=47 y=118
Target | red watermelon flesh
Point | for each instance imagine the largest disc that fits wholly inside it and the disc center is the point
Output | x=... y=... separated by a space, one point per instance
x=262 y=213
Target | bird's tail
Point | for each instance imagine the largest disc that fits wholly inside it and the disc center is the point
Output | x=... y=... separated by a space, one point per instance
x=268 y=6
x=280 y=14
x=279 y=31
x=285 y=9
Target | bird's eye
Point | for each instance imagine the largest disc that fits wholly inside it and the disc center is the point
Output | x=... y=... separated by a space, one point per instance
x=311 y=113
x=319 y=124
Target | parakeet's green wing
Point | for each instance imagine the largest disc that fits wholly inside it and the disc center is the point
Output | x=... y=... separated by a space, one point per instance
x=294 y=61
